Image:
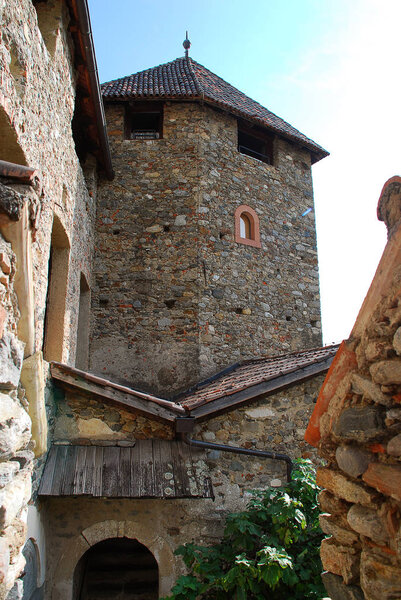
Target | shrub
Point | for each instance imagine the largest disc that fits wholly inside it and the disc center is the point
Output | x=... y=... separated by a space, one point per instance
x=270 y=550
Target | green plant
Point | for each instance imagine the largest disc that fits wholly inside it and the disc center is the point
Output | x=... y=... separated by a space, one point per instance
x=270 y=550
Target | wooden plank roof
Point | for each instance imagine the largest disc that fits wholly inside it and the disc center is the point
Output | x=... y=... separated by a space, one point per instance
x=148 y=469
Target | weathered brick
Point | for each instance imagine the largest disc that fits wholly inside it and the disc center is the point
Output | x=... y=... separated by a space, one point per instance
x=394 y=446
x=11 y=356
x=5 y=264
x=340 y=560
x=366 y=387
x=385 y=478
x=397 y=341
x=330 y=526
x=337 y=590
x=3 y=317
x=4 y=559
x=331 y=504
x=379 y=580
x=340 y=486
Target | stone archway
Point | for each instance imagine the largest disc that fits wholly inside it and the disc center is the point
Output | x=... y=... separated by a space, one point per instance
x=116 y=569
x=63 y=581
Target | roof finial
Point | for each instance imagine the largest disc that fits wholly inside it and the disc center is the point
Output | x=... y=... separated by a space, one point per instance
x=187 y=44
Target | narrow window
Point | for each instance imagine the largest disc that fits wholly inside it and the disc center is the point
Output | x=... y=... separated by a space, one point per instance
x=144 y=122
x=81 y=356
x=247 y=226
x=56 y=293
x=255 y=142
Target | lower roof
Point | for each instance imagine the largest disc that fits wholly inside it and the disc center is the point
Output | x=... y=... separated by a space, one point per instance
x=224 y=391
x=146 y=469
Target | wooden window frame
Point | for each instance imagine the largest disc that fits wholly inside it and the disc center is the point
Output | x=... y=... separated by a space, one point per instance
x=261 y=135
x=254 y=240
x=144 y=108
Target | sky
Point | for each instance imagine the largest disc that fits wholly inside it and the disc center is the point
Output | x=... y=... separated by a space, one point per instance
x=329 y=67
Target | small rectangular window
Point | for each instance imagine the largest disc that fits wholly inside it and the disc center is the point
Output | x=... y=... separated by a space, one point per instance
x=255 y=142
x=144 y=122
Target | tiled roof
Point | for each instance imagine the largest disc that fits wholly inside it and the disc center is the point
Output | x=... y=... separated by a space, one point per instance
x=185 y=78
x=255 y=372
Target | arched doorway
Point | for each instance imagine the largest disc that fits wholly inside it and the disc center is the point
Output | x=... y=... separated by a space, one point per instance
x=117 y=569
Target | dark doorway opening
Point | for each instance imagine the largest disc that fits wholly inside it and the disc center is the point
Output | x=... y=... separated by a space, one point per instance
x=117 y=569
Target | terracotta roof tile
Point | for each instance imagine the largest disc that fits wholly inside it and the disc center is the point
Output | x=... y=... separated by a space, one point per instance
x=185 y=78
x=252 y=373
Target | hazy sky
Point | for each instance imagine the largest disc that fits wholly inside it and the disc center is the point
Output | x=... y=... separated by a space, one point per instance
x=331 y=68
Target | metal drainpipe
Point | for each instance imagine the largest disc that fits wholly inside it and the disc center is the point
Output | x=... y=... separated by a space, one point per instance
x=238 y=450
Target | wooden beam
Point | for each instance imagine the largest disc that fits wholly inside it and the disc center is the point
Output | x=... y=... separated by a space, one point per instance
x=118 y=395
x=20 y=172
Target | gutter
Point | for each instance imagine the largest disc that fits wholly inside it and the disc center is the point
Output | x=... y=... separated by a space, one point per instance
x=238 y=450
x=87 y=40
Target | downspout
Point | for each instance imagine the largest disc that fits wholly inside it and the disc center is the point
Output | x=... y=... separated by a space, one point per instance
x=238 y=450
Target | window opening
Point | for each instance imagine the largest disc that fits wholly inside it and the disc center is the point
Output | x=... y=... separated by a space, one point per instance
x=143 y=123
x=145 y=126
x=256 y=143
x=81 y=357
x=247 y=226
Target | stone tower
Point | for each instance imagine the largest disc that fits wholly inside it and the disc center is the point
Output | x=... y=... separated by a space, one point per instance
x=205 y=240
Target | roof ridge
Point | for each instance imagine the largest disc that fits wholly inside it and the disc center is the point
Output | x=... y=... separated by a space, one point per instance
x=197 y=83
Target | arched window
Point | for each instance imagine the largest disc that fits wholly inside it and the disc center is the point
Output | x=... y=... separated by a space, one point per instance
x=247 y=226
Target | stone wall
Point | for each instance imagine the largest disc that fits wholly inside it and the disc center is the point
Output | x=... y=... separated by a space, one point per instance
x=275 y=422
x=357 y=427
x=176 y=298
x=15 y=430
x=272 y=422
x=84 y=420
x=37 y=98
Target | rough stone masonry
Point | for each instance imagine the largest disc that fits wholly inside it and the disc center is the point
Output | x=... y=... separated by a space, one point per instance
x=190 y=300
x=357 y=428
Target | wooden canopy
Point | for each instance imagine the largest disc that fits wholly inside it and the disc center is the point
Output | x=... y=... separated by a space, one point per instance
x=147 y=469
